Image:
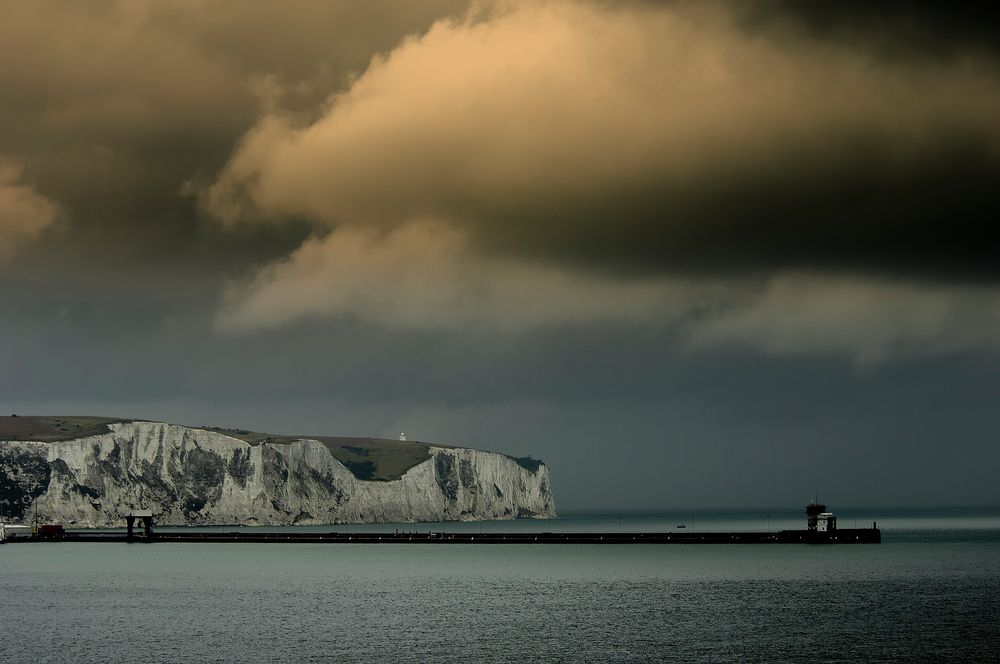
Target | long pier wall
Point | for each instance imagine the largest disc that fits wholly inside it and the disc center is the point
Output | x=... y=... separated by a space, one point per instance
x=845 y=536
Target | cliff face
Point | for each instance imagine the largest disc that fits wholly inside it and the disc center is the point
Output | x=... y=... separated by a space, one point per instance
x=204 y=477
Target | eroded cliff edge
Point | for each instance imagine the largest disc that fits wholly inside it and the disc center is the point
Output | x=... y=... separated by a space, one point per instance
x=188 y=475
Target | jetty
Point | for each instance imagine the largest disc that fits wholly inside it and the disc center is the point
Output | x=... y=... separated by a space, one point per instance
x=821 y=529
x=852 y=536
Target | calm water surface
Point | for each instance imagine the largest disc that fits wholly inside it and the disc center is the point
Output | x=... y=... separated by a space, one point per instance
x=930 y=592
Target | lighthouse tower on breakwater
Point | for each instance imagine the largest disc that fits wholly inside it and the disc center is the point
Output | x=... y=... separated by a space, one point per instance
x=818 y=519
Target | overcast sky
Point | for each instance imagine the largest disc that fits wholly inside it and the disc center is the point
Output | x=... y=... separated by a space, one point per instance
x=690 y=254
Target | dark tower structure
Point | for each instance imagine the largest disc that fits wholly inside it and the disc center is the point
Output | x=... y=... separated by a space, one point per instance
x=146 y=518
x=813 y=510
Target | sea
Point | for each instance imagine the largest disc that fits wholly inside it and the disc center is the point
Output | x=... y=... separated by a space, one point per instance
x=929 y=593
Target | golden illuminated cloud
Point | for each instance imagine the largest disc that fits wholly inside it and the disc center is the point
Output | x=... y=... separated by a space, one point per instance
x=522 y=165
x=423 y=276
x=24 y=213
x=541 y=104
x=557 y=143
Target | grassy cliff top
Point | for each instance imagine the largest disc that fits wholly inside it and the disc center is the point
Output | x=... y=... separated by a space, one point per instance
x=49 y=429
x=378 y=459
x=368 y=458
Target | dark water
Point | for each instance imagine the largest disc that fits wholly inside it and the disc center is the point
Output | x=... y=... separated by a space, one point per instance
x=931 y=592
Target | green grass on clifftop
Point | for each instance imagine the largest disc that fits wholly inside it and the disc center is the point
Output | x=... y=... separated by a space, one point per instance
x=375 y=459
x=50 y=429
x=378 y=459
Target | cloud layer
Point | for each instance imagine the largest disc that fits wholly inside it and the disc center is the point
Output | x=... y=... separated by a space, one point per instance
x=863 y=319
x=663 y=138
x=24 y=213
x=110 y=106
x=647 y=163
x=755 y=175
x=423 y=276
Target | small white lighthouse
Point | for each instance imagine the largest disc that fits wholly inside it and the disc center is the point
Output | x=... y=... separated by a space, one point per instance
x=402 y=436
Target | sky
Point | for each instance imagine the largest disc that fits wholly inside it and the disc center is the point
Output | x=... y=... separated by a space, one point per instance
x=691 y=254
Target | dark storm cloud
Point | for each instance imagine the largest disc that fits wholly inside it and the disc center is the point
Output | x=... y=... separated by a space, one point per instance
x=110 y=107
x=24 y=214
x=572 y=163
x=651 y=138
x=895 y=28
x=847 y=204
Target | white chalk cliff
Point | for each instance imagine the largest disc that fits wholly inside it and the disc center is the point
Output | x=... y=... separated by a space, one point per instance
x=188 y=475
